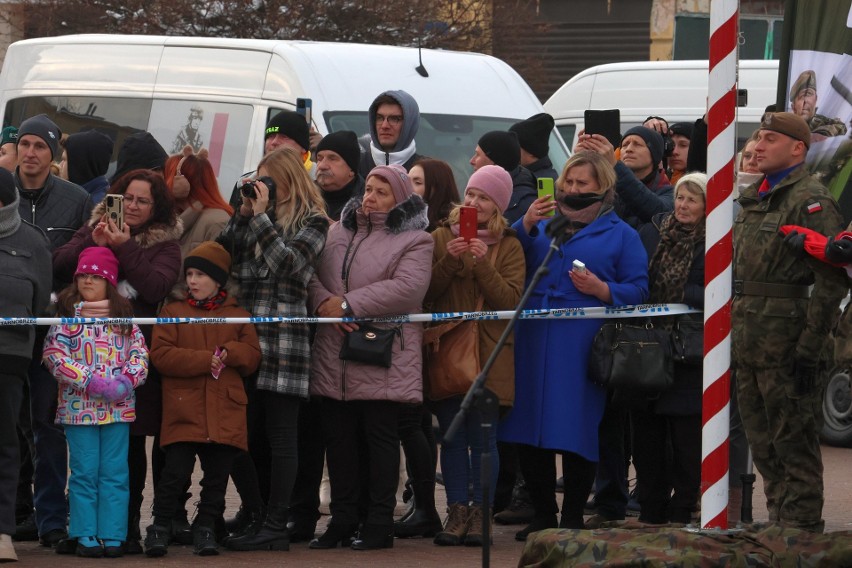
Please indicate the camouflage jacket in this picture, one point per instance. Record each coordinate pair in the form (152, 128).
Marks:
(768, 331)
(820, 124)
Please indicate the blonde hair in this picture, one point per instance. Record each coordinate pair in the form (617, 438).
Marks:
(496, 224)
(297, 198)
(603, 170)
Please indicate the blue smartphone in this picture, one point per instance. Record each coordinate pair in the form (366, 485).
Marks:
(305, 108)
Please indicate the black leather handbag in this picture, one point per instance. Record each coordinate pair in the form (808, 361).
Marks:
(370, 345)
(688, 340)
(633, 355)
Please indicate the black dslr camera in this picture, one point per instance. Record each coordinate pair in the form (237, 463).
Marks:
(249, 189)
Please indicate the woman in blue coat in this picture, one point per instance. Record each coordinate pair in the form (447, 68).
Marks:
(557, 408)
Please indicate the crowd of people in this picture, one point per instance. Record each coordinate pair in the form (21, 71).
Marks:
(327, 228)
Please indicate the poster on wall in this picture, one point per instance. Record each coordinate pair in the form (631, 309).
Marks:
(815, 82)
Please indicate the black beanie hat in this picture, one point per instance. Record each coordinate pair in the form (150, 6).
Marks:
(534, 134)
(140, 150)
(653, 140)
(682, 128)
(345, 143)
(88, 154)
(292, 125)
(212, 259)
(502, 148)
(45, 129)
(8, 191)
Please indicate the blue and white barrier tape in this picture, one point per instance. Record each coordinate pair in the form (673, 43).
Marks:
(597, 312)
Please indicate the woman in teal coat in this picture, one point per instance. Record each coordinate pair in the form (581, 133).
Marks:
(557, 408)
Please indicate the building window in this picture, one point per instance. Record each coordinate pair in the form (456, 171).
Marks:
(761, 37)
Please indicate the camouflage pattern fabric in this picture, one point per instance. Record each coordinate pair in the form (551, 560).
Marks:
(820, 124)
(769, 332)
(637, 545)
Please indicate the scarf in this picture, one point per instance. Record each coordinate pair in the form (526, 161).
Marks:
(670, 264)
(483, 235)
(581, 218)
(99, 309)
(382, 158)
(209, 304)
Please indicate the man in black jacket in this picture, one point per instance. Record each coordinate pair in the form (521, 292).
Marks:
(58, 208)
(534, 138)
(502, 149)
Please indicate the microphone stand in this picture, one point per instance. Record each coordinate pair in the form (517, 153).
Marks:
(486, 401)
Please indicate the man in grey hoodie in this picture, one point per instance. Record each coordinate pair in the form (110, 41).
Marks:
(394, 121)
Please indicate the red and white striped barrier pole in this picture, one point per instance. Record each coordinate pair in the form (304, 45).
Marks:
(721, 149)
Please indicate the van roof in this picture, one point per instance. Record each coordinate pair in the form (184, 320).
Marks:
(359, 72)
(673, 87)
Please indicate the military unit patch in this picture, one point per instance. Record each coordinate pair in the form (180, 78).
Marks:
(814, 207)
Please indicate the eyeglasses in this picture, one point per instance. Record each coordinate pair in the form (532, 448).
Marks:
(94, 277)
(394, 119)
(140, 201)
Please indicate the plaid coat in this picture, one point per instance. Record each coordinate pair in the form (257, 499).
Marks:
(274, 282)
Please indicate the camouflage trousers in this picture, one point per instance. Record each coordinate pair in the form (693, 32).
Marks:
(783, 432)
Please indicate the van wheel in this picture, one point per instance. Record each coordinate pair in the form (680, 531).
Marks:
(837, 409)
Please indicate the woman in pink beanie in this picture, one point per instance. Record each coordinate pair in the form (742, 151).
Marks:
(490, 266)
(98, 366)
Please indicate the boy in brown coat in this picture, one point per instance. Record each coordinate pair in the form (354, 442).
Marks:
(204, 401)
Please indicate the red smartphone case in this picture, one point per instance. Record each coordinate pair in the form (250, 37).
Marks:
(467, 223)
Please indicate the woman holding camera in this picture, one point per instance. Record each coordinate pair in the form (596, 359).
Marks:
(277, 235)
(557, 408)
(149, 263)
(377, 263)
(667, 439)
(491, 267)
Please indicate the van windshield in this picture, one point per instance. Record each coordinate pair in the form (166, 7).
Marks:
(447, 137)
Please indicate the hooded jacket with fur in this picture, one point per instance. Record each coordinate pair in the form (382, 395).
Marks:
(388, 268)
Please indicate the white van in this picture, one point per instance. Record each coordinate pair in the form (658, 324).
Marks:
(675, 90)
(227, 89)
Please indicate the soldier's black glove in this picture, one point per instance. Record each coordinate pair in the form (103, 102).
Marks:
(795, 243)
(804, 375)
(839, 251)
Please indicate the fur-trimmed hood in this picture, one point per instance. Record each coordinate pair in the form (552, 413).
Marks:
(151, 235)
(410, 215)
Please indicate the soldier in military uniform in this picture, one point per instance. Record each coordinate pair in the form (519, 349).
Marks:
(779, 328)
(190, 135)
(803, 96)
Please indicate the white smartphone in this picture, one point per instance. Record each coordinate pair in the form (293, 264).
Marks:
(579, 266)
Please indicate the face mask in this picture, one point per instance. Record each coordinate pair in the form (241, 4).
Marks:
(582, 200)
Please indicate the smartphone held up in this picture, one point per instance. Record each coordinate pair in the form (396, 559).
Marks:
(546, 189)
(467, 223)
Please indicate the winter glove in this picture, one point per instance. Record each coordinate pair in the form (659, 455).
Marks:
(795, 243)
(804, 376)
(110, 389)
(838, 251)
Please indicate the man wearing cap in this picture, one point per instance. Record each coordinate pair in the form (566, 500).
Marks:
(58, 208)
(498, 148)
(779, 327)
(394, 121)
(289, 129)
(642, 189)
(534, 138)
(8, 148)
(337, 174)
(803, 98)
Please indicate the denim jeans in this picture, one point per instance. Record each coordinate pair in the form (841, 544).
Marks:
(461, 456)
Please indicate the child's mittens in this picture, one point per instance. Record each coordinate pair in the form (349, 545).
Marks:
(110, 389)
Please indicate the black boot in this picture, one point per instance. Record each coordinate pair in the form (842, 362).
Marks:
(424, 519)
(239, 522)
(373, 537)
(251, 521)
(133, 544)
(204, 541)
(334, 534)
(157, 540)
(181, 531)
(273, 535)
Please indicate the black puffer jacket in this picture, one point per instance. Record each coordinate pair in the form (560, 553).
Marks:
(524, 192)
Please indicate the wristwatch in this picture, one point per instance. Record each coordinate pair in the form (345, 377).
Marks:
(344, 305)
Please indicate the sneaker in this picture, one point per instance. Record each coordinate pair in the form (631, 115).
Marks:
(52, 537)
(89, 547)
(156, 541)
